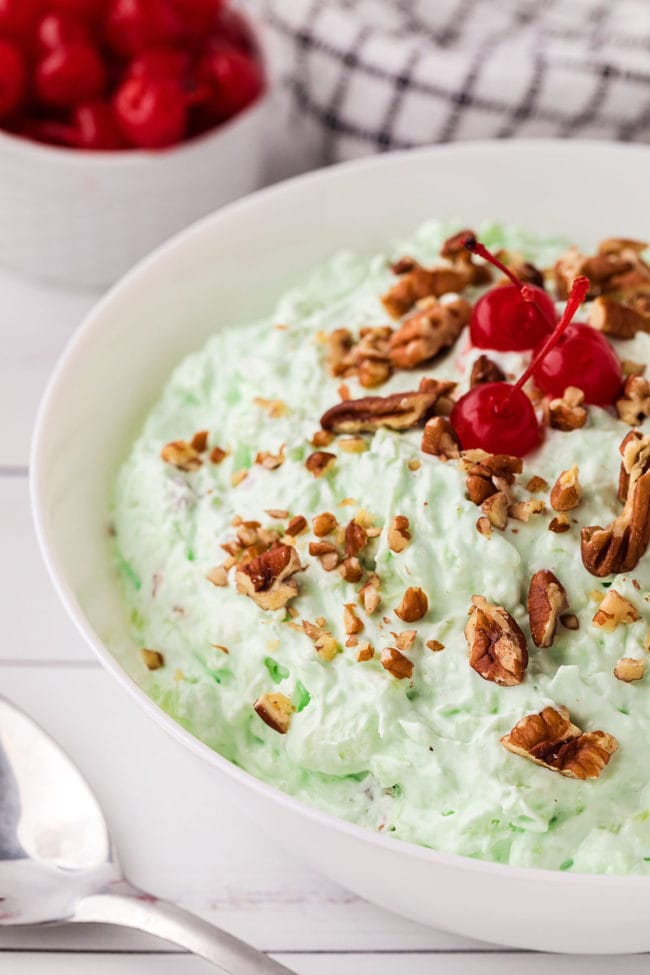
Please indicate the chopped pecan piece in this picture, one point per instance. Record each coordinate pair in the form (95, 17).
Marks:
(297, 525)
(524, 510)
(396, 663)
(350, 569)
(495, 509)
(485, 370)
(570, 621)
(322, 438)
(237, 477)
(634, 405)
(368, 358)
(399, 411)
(152, 659)
(339, 344)
(417, 282)
(614, 609)
(435, 645)
(413, 606)
(369, 594)
(429, 330)
(200, 441)
(275, 710)
(546, 600)
(439, 438)
(267, 577)
(566, 412)
(497, 646)
(356, 538)
(275, 408)
(268, 460)
(404, 640)
(353, 445)
(559, 524)
(629, 669)
(621, 319)
(536, 484)
(399, 535)
(351, 622)
(324, 643)
(617, 267)
(552, 740)
(365, 652)
(277, 512)
(484, 527)
(324, 524)
(218, 575)
(217, 455)
(619, 547)
(566, 493)
(487, 473)
(320, 462)
(182, 455)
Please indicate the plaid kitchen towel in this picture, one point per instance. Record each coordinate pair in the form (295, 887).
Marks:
(364, 76)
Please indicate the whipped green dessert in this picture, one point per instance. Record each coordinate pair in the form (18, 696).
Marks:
(338, 669)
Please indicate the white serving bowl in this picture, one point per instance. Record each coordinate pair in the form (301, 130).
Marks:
(225, 270)
(84, 218)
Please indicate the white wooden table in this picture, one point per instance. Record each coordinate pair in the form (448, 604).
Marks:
(190, 847)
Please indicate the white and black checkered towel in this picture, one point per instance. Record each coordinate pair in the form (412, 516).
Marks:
(369, 75)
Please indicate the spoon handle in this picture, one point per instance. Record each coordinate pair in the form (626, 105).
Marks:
(128, 907)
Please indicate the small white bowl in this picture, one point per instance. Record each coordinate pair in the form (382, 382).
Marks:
(83, 218)
(231, 268)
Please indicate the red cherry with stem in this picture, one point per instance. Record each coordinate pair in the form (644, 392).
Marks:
(509, 318)
(230, 81)
(69, 75)
(57, 30)
(96, 128)
(17, 17)
(13, 78)
(152, 113)
(133, 25)
(500, 418)
(584, 358)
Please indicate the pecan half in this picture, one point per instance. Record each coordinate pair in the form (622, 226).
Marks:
(552, 740)
(275, 710)
(629, 669)
(399, 536)
(417, 282)
(413, 606)
(619, 547)
(634, 405)
(429, 330)
(614, 609)
(182, 455)
(621, 319)
(320, 461)
(566, 493)
(267, 577)
(547, 599)
(497, 645)
(152, 659)
(484, 370)
(396, 663)
(399, 411)
(439, 438)
(566, 412)
(617, 267)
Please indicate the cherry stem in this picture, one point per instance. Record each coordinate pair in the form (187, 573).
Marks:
(475, 247)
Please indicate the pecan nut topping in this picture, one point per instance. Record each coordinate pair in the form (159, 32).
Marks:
(320, 461)
(497, 645)
(182, 455)
(324, 643)
(429, 330)
(489, 473)
(634, 405)
(552, 740)
(614, 609)
(566, 493)
(547, 600)
(267, 577)
(621, 319)
(495, 508)
(617, 268)
(275, 710)
(629, 669)
(398, 535)
(439, 438)
(413, 606)
(620, 546)
(368, 358)
(152, 659)
(417, 282)
(566, 412)
(485, 370)
(394, 661)
(356, 538)
(399, 411)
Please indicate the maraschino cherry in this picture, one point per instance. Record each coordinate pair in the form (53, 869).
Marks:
(583, 357)
(500, 418)
(511, 317)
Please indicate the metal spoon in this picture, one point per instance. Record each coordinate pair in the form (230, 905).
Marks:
(57, 863)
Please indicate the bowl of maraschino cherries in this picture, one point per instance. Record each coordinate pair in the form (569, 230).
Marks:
(518, 316)
(121, 121)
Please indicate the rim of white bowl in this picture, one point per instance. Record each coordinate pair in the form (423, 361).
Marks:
(31, 149)
(75, 346)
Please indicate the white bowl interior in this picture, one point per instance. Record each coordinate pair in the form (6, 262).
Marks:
(232, 267)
